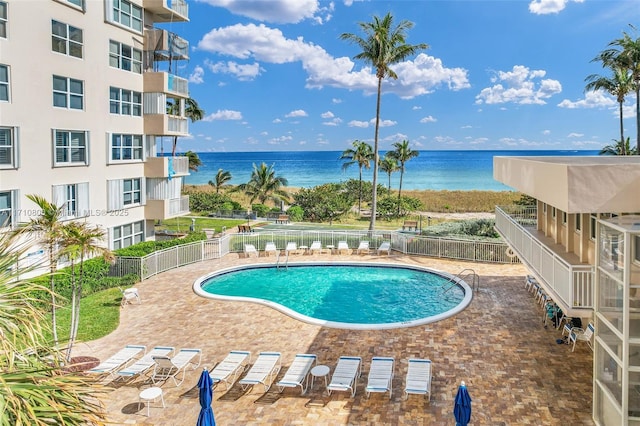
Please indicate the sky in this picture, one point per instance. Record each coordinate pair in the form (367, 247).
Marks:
(274, 75)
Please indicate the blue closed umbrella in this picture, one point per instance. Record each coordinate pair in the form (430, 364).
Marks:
(205, 385)
(462, 406)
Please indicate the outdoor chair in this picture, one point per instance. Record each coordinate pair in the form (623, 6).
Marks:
(578, 333)
(269, 248)
(119, 359)
(343, 246)
(316, 246)
(363, 247)
(228, 370)
(250, 249)
(170, 368)
(291, 247)
(146, 362)
(129, 296)
(298, 373)
(345, 375)
(380, 377)
(264, 371)
(418, 380)
(385, 246)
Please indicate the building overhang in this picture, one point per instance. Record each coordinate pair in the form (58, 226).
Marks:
(589, 184)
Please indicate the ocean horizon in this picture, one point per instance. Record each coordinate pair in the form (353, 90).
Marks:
(430, 170)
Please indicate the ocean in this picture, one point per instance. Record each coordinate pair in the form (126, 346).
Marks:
(437, 170)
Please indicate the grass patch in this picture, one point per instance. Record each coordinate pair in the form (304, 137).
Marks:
(463, 201)
(182, 224)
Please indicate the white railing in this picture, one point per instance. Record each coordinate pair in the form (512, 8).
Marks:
(179, 205)
(178, 124)
(154, 263)
(179, 6)
(178, 85)
(572, 283)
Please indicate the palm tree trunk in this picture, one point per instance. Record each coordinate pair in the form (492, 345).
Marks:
(75, 313)
(638, 117)
(622, 131)
(54, 322)
(360, 193)
(73, 309)
(175, 145)
(389, 185)
(374, 197)
(400, 188)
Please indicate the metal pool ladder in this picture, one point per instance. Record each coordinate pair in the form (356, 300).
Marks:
(286, 261)
(463, 275)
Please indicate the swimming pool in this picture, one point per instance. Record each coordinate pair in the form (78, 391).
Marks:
(343, 295)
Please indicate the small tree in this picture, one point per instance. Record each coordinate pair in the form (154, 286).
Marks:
(322, 203)
(389, 165)
(222, 177)
(194, 160)
(264, 185)
(362, 155)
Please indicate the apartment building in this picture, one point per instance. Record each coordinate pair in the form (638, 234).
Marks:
(582, 243)
(87, 88)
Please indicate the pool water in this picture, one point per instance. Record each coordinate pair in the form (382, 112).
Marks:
(347, 294)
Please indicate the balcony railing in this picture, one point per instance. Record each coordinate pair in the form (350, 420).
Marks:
(166, 167)
(167, 10)
(165, 45)
(166, 209)
(573, 284)
(164, 82)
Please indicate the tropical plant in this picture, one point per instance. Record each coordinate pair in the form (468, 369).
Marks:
(391, 207)
(194, 160)
(264, 185)
(402, 154)
(191, 110)
(222, 177)
(81, 241)
(619, 148)
(389, 165)
(619, 86)
(32, 390)
(382, 46)
(47, 228)
(362, 155)
(321, 203)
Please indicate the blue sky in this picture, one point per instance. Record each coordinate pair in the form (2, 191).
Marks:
(273, 75)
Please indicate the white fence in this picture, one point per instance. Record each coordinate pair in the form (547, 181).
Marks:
(215, 248)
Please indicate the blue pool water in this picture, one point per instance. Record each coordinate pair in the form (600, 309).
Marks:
(345, 295)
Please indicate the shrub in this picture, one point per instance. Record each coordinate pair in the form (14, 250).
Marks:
(295, 213)
(475, 229)
(260, 209)
(387, 207)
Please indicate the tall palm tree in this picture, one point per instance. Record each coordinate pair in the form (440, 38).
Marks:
(389, 165)
(264, 185)
(32, 390)
(222, 177)
(619, 148)
(194, 161)
(191, 110)
(619, 86)
(402, 154)
(81, 241)
(382, 46)
(362, 155)
(47, 228)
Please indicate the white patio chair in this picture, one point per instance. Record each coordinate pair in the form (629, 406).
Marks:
(291, 247)
(250, 249)
(385, 246)
(119, 359)
(345, 375)
(228, 370)
(264, 371)
(419, 374)
(169, 368)
(269, 248)
(146, 362)
(577, 334)
(298, 373)
(129, 296)
(316, 246)
(363, 247)
(381, 375)
(343, 246)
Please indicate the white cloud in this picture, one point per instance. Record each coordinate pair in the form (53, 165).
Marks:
(575, 135)
(519, 86)
(544, 7)
(416, 107)
(279, 140)
(428, 119)
(336, 101)
(278, 11)
(297, 113)
(333, 122)
(196, 76)
(420, 76)
(223, 115)
(356, 123)
(546, 132)
(383, 123)
(276, 121)
(243, 72)
(327, 114)
(597, 99)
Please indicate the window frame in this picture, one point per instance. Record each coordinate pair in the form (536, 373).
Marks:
(579, 222)
(592, 227)
(69, 148)
(121, 148)
(68, 94)
(116, 12)
(118, 58)
(6, 83)
(132, 236)
(4, 19)
(66, 40)
(75, 197)
(12, 147)
(119, 103)
(131, 192)
(14, 198)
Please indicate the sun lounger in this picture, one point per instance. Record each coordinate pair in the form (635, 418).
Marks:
(270, 248)
(419, 375)
(344, 377)
(291, 247)
(363, 247)
(169, 368)
(228, 370)
(315, 246)
(146, 362)
(263, 371)
(381, 375)
(119, 359)
(385, 246)
(343, 246)
(250, 249)
(298, 373)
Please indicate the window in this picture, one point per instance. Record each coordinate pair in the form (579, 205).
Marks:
(131, 191)
(74, 198)
(553, 212)
(125, 102)
(127, 235)
(126, 147)
(564, 218)
(70, 148)
(636, 247)
(127, 14)
(68, 92)
(578, 222)
(76, 3)
(125, 57)
(592, 233)
(8, 209)
(4, 83)
(8, 148)
(123, 193)
(3, 19)
(66, 39)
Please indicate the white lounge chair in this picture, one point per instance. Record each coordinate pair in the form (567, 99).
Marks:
(129, 296)
(381, 375)
(363, 247)
(419, 374)
(169, 368)
(146, 362)
(343, 246)
(263, 371)
(291, 247)
(119, 359)
(250, 249)
(315, 246)
(344, 377)
(385, 246)
(228, 370)
(578, 333)
(270, 248)
(298, 373)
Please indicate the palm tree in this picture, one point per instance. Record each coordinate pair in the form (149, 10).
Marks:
(402, 154)
(191, 110)
(264, 185)
(194, 161)
(362, 155)
(619, 86)
(619, 148)
(32, 390)
(81, 241)
(48, 229)
(388, 164)
(222, 177)
(382, 46)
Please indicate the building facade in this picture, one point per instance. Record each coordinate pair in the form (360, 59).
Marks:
(581, 240)
(87, 89)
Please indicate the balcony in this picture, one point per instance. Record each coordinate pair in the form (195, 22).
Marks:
(165, 167)
(166, 209)
(165, 45)
(163, 82)
(167, 125)
(167, 10)
(569, 282)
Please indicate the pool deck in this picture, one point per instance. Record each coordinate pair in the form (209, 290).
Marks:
(515, 371)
